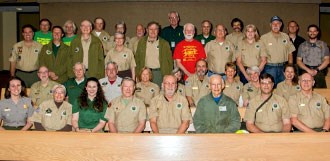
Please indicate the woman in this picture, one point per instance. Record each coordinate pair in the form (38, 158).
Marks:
(145, 89)
(89, 110)
(251, 89)
(16, 110)
(233, 87)
(123, 57)
(290, 85)
(250, 53)
(178, 74)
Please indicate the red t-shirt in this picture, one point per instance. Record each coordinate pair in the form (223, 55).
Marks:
(189, 53)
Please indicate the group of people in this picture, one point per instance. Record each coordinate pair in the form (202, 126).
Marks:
(82, 82)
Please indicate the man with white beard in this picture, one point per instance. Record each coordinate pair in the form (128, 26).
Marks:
(188, 51)
(169, 111)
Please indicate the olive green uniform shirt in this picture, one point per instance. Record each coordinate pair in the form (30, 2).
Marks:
(105, 39)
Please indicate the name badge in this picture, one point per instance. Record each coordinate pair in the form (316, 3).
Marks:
(172, 44)
(194, 87)
(270, 44)
(222, 108)
(7, 109)
(203, 41)
(48, 114)
(302, 105)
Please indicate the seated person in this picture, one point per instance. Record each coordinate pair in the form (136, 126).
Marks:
(233, 87)
(252, 88)
(290, 85)
(177, 72)
(145, 89)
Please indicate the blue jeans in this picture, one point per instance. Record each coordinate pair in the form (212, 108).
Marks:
(276, 72)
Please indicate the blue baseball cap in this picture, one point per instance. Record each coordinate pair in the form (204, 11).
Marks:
(275, 18)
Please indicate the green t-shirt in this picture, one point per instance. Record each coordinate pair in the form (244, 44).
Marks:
(89, 118)
(67, 40)
(43, 38)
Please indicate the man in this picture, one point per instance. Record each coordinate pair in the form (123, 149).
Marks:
(206, 35)
(237, 34)
(169, 111)
(155, 53)
(42, 90)
(121, 28)
(127, 113)
(43, 36)
(70, 30)
(188, 51)
(74, 86)
(173, 33)
(24, 57)
(219, 52)
(233, 87)
(267, 112)
(54, 56)
(216, 112)
(99, 26)
(133, 42)
(111, 83)
(88, 50)
(293, 29)
(309, 110)
(54, 114)
(279, 50)
(313, 57)
(197, 85)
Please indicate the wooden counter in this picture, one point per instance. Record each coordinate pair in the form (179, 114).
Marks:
(33, 145)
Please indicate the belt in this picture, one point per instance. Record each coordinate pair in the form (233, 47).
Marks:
(25, 71)
(275, 64)
(155, 69)
(312, 67)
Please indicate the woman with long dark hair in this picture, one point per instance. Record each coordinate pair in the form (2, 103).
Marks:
(89, 109)
(290, 85)
(16, 110)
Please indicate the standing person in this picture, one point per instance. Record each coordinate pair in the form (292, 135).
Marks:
(173, 33)
(313, 57)
(309, 111)
(252, 88)
(123, 56)
(188, 51)
(279, 50)
(233, 87)
(250, 52)
(44, 36)
(267, 112)
(127, 113)
(54, 56)
(133, 42)
(290, 85)
(145, 89)
(155, 53)
(237, 35)
(16, 109)
(24, 57)
(121, 28)
(216, 112)
(99, 26)
(70, 30)
(206, 35)
(293, 29)
(89, 110)
(87, 49)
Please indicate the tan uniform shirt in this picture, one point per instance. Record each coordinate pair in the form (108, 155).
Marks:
(51, 117)
(269, 118)
(249, 91)
(310, 111)
(126, 113)
(26, 58)
(286, 90)
(218, 55)
(152, 55)
(169, 115)
(85, 45)
(181, 90)
(233, 90)
(235, 38)
(250, 53)
(124, 59)
(105, 39)
(277, 48)
(197, 89)
(146, 92)
(40, 93)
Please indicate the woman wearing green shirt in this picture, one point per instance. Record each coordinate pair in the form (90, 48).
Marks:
(89, 109)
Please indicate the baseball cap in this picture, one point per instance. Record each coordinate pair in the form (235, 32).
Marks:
(275, 18)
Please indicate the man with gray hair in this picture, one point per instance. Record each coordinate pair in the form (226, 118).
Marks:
(174, 32)
(188, 51)
(111, 83)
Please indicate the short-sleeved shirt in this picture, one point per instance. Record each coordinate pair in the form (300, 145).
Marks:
(286, 90)
(126, 115)
(311, 111)
(13, 114)
(203, 39)
(124, 59)
(189, 53)
(67, 40)
(26, 58)
(146, 92)
(181, 89)
(250, 53)
(73, 89)
(218, 54)
(111, 91)
(233, 90)
(269, 118)
(197, 89)
(40, 93)
(169, 115)
(235, 38)
(51, 117)
(312, 54)
(277, 47)
(89, 117)
(42, 38)
(249, 91)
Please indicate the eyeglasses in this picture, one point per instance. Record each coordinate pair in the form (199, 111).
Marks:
(306, 81)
